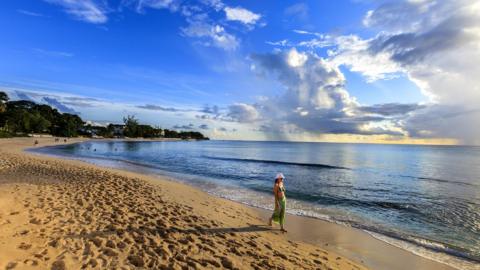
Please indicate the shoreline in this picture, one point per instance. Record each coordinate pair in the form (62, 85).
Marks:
(416, 249)
(351, 243)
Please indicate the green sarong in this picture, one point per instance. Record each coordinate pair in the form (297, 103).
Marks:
(279, 212)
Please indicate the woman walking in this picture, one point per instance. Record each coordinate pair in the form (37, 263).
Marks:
(278, 215)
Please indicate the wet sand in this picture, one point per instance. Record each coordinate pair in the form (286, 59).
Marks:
(65, 214)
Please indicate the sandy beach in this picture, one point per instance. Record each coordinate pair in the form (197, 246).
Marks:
(64, 214)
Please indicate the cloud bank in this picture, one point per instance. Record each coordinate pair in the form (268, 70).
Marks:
(316, 100)
(436, 44)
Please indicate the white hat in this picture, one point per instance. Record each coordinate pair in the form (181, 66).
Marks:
(279, 175)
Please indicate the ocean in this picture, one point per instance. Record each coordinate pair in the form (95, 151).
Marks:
(425, 199)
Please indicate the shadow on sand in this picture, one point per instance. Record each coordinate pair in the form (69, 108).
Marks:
(250, 228)
(163, 231)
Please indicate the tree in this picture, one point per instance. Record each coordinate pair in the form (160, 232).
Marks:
(3, 101)
(68, 125)
(38, 124)
(171, 134)
(106, 132)
(50, 114)
(3, 97)
(24, 116)
(131, 126)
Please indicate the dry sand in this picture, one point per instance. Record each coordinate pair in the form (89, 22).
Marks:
(64, 214)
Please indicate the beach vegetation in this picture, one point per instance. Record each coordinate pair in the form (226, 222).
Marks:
(23, 117)
(131, 126)
(3, 101)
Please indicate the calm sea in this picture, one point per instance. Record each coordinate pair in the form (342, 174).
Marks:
(422, 198)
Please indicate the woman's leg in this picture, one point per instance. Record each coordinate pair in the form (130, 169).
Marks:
(275, 215)
(283, 205)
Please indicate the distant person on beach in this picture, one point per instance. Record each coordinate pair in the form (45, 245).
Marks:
(278, 215)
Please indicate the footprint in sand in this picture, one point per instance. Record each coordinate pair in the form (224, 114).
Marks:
(11, 265)
(24, 246)
(30, 262)
(58, 265)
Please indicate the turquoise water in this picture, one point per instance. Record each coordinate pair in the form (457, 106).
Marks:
(422, 198)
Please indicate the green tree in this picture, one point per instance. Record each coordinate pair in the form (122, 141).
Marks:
(38, 124)
(3, 101)
(171, 134)
(50, 114)
(131, 126)
(68, 125)
(106, 132)
(24, 116)
(16, 118)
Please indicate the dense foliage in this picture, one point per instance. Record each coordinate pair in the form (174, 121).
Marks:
(25, 117)
(22, 117)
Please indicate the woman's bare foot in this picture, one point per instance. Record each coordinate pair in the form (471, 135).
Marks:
(270, 223)
(283, 230)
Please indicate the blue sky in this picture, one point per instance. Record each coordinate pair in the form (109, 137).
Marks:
(184, 57)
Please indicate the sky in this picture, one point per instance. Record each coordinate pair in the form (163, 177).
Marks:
(334, 71)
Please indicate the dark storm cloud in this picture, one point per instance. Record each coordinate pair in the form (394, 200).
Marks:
(390, 109)
(411, 48)
(418, 30)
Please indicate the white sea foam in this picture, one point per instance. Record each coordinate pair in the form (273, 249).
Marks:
(437, 256)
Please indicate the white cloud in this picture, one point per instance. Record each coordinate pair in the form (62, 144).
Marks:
(353, 52)
(30, 13)
(172, 5)
(315, 100)
(435, 44)
(216, 4)
(207, 30)
(86, 10)
(211, 34)
(280, 43)
(242, 15)
(296, 59)
(303, 32)
(201, 26)
(242, 112)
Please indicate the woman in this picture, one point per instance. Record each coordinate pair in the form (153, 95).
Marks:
(280, 202)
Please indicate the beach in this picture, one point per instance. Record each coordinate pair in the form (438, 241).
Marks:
(67, 214)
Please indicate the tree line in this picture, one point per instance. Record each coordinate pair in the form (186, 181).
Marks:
(23, 117)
